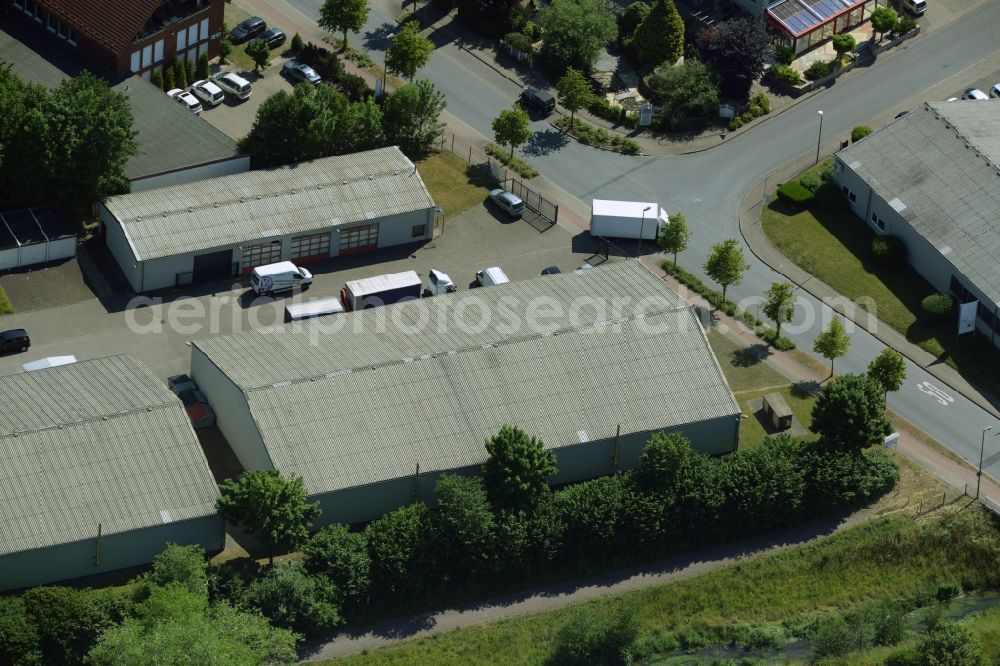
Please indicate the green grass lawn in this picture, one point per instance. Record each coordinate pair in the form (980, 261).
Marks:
(453, 184)
(881, 559)
(828, 240)
(5, 305)
(233, 16)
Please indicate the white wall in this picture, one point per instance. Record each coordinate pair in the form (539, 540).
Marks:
(62, 248)
(120, 249)
(398, 229)
(238, 164)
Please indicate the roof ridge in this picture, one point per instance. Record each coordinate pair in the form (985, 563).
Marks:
(81, 421)
(472, 348)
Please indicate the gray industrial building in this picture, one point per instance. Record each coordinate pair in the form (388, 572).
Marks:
(931, 178)
(100, 471)
(370, 407)
(224, 227)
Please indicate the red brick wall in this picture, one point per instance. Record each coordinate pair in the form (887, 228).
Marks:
(123, 60)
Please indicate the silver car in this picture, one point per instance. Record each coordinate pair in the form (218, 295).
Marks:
(509, 202)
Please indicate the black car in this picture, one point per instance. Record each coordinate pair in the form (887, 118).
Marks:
(551, 270)
(15, 339)
(538, 100)
(274, 37)
(247, 30)
(299, 71)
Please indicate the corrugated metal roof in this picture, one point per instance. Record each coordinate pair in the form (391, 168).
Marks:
(368, 401)
(254, 205)
(938, 166)
(96, 442)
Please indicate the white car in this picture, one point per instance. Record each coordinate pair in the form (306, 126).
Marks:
(234, 84)
(995, 90)
(208, 92)
(439, 283)
(186, 99)
(974, 93)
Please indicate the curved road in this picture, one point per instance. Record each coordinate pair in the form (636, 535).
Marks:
(709, 186)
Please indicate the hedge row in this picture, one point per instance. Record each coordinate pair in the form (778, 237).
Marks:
(328, 65)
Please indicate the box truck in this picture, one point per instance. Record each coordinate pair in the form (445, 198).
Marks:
(380, 290)
(317, 307)
(627, 219)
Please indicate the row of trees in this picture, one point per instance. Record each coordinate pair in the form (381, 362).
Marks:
(69, 145)
(318, 121)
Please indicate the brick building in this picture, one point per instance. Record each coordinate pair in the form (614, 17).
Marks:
(137, 36)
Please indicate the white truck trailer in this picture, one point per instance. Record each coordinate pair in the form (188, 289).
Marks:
(627, 219)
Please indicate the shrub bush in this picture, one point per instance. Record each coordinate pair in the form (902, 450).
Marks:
(860, 132)
(794, 193)
(295, 600)
(594, 636)
(812, 181)
(625, 145)
(764, 637)
(296, 45)
(354, 87)
(761, 101)
(905, 25)
(519, 41)
(787, 74)
(888, 251)
(785, 55)
(818, 70)
(937, 306)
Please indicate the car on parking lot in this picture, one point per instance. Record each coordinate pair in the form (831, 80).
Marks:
(247, 30)
(274, 37)
(439, 283)
(509, 202)
(234, 84)
(915, 7)
(208, 92)
(551, 270)
(539, 101)
(195, 403)
(16, 339)
(974, 93)
(185, 99)
(995, 90)
(299, 71)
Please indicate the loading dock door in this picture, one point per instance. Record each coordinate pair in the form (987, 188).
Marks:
(213, 266)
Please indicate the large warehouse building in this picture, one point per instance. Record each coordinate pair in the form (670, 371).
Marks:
(223, 227)
(932, 179)
(370, 407)
(100, 471)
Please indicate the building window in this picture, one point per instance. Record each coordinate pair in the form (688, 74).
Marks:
(158, 51)
(192, 35)
(419, 231)
(69, 35)
(135, 61)
(50, 22)
(315, 246)
(878, 221)
(260, 254)
(204, 29)
(359, 239)
(852, 196)
(147, 56)
(181, 40)
(961, 293)
(19, 4)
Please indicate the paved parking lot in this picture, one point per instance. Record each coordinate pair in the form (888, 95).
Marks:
(159, 330)
(235, 117)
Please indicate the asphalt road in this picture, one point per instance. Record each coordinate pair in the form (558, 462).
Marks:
(709, 186)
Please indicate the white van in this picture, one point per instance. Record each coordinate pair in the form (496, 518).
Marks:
(281, 276)
(494, 275)
(234, 84)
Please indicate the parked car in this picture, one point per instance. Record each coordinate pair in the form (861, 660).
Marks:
(995, 90)
(247, 30)
(915, 7)
(299, 71)
(538, 100)
(274, 37)
(185, 99)
(551, 270)
(280, 276)
(510, 203)
(974, 93)
(491, 276)
(208, 92)
(439, 283)
(234, 84)
(16, 339)
(584, 266)
(195, 403)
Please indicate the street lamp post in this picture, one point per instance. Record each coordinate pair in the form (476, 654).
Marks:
(642, 227)
(385, 63)
(819, 138)
(982, 447)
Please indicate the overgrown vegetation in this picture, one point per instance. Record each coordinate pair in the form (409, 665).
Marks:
(512, 161)
(597, 136)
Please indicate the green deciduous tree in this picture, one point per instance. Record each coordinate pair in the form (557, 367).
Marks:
(411, 117)
(465, 526)
(179, 627)
(408, 52)
(660, 36)
(634, 15)
(833, 342)
(949, 644)
(343, 16)
(342, 556)
(689, 90)
(740, 49)
(597, 633)
(888, 369)
(726, 264)
(849, 413)
(779, 304)
(517, 471)
(844, 43)
(674, 238)
(397, 546)
(270, 506)
(68, 621)
(510, 128)
(883, 20)
(292, 599)
(575, 32)
(19, 640)
(574, 91)
(181, 565)
(260, 53)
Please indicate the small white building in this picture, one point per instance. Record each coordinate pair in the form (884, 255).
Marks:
(34, 236)
(224, 227)
(932, 179)
(100, 471)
